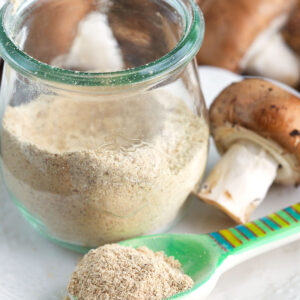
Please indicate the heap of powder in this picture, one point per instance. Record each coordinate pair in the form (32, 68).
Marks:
(124, 273)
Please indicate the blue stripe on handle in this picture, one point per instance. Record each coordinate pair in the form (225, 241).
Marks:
(222, 241)
(293, 213)
(270, 223)
(249, 234)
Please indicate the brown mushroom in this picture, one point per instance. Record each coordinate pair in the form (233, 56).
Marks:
(291, 31)
(256, 125)
(94, 48)
(245, 36)
(52, 26)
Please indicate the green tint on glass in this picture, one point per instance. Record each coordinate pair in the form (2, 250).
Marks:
(182, 54)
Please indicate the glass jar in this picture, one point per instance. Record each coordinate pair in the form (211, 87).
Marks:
(104, 131)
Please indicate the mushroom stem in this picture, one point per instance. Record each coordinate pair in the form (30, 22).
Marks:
(94, 47)
(275, 60)
(240, 180)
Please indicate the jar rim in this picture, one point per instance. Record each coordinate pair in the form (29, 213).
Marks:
(185, 50)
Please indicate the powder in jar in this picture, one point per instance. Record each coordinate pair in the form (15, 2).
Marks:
(95, 170)
(124, 273)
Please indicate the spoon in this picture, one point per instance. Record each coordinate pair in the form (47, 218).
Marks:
(205, 257)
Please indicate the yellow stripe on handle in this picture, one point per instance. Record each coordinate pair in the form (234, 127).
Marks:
(268, 229)
(229, 236)
(297, 207)
(278, 220)
(255, 229)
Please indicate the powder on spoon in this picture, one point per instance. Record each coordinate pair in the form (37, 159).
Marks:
(124, 273)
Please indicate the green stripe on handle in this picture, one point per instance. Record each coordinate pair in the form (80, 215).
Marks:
(278, 225)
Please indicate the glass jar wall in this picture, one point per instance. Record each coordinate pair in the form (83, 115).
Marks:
(104, 131)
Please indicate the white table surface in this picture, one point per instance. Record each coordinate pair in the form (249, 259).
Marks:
(32, 268)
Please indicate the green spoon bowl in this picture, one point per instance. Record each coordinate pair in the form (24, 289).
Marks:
(198, 254)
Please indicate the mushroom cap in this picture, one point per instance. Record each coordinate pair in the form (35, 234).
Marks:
(233, 25)
(291, 31)
(53, 26)
(260, 111)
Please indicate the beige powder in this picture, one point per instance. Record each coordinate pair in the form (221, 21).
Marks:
(96, 171)
(123, 273)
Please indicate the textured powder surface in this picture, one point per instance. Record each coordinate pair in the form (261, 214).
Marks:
(98, 170)
(123, 273)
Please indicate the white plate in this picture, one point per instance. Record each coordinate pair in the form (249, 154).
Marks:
(32, 268)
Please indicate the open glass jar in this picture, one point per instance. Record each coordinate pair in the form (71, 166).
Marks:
(104, 131)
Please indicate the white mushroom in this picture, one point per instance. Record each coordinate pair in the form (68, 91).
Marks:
(52, 27)
(94, 47)
(245, 36)
(257, 125)
(270, 56)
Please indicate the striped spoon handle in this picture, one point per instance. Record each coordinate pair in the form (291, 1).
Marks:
(261, 235)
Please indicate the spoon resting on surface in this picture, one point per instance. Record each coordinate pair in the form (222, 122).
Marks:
(205, 257)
